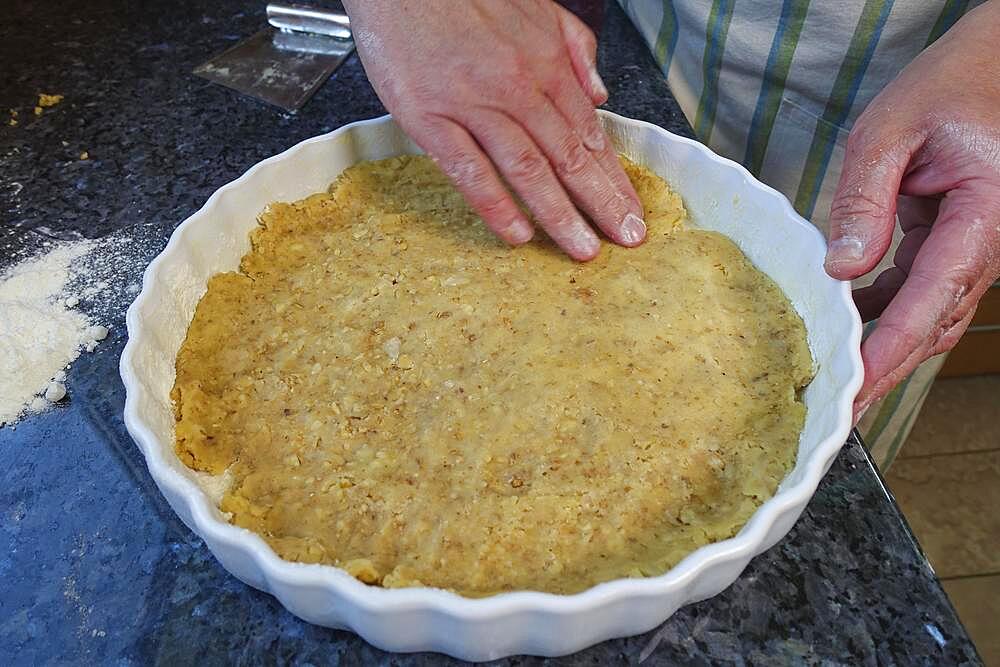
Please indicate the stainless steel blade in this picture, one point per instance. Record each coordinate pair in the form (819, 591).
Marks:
(270, 68)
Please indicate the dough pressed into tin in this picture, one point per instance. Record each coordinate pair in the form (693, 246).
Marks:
(395, 392)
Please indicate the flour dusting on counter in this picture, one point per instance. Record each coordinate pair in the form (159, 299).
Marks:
(55, 305)
(39, 335)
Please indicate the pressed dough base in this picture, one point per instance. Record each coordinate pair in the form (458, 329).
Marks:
(395, 392)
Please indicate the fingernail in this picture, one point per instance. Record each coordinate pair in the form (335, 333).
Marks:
(597, 84)
(633, 229)
(520, 231)
(844, 250)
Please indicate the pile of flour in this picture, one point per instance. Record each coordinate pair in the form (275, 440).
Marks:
(41, 331)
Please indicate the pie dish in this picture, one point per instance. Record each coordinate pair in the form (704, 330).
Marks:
(719, 196)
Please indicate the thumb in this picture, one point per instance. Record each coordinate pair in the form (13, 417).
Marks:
(863, 212)
(582, 47)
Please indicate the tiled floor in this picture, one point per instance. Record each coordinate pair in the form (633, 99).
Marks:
(947, 481)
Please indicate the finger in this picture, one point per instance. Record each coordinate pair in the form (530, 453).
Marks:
(872, 300)
(610, 162)
(581, 117)
(916, 211)
(871, 393)
(950, 272)
(527, 170)
(862, 216)
(458, 156)
(580, 173)
(582, 47)
(909, 246)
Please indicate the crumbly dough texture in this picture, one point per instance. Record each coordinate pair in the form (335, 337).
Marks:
(397, 393)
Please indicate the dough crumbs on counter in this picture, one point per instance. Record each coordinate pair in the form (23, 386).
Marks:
(45, 100)
(396, 392)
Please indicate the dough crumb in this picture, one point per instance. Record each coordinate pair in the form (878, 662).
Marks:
(97, 332)
(55, 392)
(45, 100)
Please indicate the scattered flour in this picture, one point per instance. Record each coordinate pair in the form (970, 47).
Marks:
(39, 335)
(59, 303)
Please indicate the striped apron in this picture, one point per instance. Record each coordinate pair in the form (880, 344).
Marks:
(776, 85)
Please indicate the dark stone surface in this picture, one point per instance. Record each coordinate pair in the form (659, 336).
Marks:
(95, 568)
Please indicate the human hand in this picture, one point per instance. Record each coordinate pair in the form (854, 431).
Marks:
(933, 133)
(493, 89)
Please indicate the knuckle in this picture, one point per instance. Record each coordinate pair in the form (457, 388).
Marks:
(517, 86)
(610, 198)
(518, 71)
(609, 205)
(948, 289)
(852, 210)
(527, 165)
(553, 81)
(956, 283)
(493, 207)
(573, 158)
(859, 137)
(951, 331)
(878, 142)
(464, 170)
(564, 224)
(590, 126)
(866, 134)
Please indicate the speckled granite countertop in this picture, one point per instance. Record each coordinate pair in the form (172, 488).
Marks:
(95, 568)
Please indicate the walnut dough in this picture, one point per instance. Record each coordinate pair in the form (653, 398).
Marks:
(397, 393)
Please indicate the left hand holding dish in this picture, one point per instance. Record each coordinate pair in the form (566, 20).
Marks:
(934, 134)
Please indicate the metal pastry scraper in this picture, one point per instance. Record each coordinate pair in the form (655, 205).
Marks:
(285, 63)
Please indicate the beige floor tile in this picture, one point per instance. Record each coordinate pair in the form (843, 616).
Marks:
(951, 503)
(977, 600)
(960, 415)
